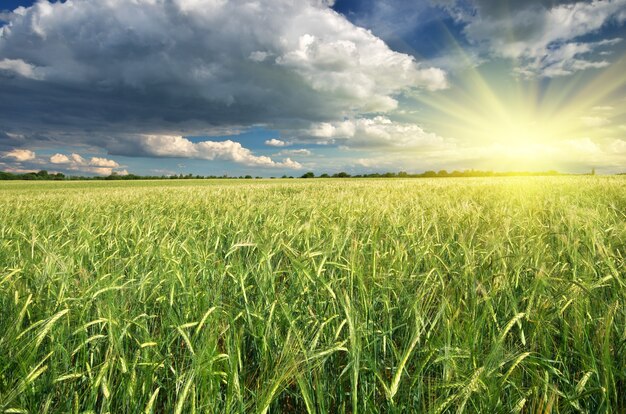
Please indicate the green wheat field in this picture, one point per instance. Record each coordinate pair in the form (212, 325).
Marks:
(487, 295)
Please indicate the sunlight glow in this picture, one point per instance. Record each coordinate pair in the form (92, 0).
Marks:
(530, 123)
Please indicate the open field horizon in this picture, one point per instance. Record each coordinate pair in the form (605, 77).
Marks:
(372, 295)
(412, 287)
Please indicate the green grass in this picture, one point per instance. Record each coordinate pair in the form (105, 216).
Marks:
(431, 296)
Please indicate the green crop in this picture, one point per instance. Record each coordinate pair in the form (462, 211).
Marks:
(433, 296)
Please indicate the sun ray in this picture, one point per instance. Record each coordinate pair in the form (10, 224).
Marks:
(536, 121)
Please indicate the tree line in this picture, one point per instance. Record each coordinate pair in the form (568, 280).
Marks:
(434, 174)
(44, 175)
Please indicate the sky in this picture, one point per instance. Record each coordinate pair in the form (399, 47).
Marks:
(282, 87)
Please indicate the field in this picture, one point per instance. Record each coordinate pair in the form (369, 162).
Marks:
(427, 295)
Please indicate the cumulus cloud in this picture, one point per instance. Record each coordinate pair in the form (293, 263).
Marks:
(60, 159)
(20, 155)
(541, 37)
(379, 131)
(181, 147)
(276, 143)
(103, 162)
(179, 67)
(95, 165)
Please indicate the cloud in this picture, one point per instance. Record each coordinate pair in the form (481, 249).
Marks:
(543, 38)
(618, 146)
(584, 146)
(605, 108)
(96, 165)
(103, 162)
(20, 155)
(380, 132)
(595, 121)
(59, 159)
(276, 143)
(295, 152)
(5, 16)
(180, 67)
(19, 67)
(180, 147)
(26, 160)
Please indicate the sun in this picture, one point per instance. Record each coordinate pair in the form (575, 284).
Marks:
(500, 122)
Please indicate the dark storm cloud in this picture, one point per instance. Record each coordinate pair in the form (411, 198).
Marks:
(97, 73)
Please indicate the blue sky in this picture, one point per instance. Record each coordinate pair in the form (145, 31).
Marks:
(277, 87)
(14, 4)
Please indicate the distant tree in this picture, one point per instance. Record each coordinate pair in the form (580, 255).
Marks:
(442, 173)
(324, 176)
(593, 171)
(308, 175)
(341, 175)
(8, 176)
(248, 177)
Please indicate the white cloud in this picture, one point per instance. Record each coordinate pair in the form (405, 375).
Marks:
(542, 41)
(360, 67)
(295, 152)
(103, 162)
(605, 108)
(76, 158)
(59, 159)
(583, 146)
(20, 155)
(17, 170)
(177, 146)
(379, 131)
(20, 67)
(594, 121)
(96, 165)
(259, 56)
(276, 143)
